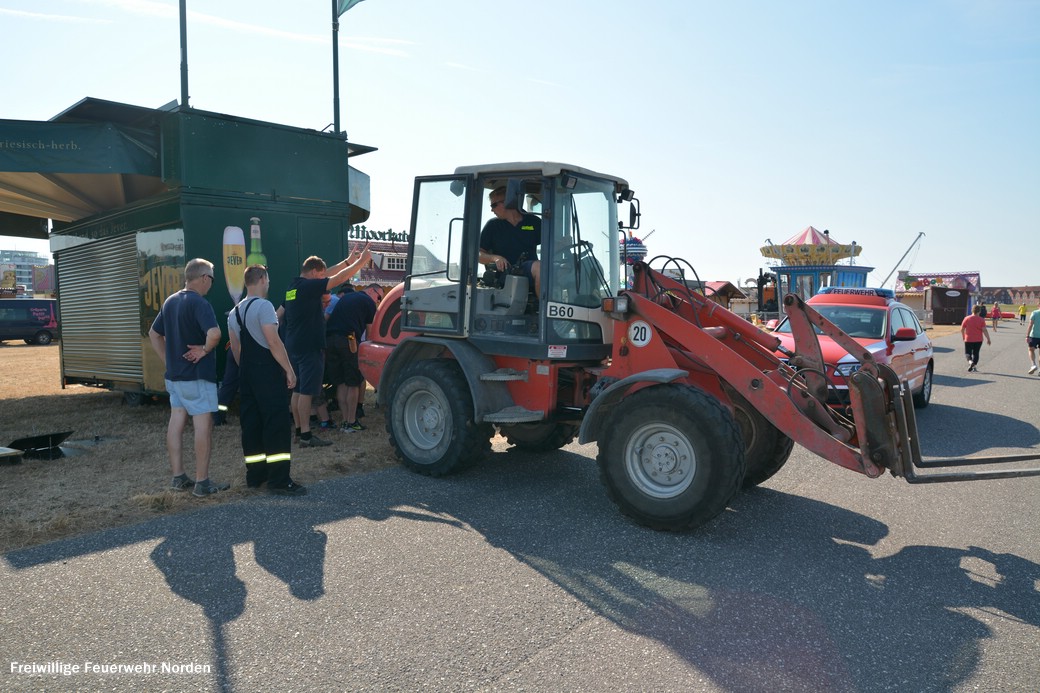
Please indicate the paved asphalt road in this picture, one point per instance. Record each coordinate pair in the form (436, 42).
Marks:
(521, 575)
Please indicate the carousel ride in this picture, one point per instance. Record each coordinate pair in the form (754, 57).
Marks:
(810, 260)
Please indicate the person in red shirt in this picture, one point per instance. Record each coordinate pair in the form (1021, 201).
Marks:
(973, 329)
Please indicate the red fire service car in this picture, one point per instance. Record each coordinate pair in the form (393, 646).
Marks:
(888, 329)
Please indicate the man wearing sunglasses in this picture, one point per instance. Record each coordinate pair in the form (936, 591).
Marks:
(184, 334)
(512, 234)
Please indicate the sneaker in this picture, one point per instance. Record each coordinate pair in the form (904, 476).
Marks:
(290, 489)
(182, 482)
(207, 488)
(1032, 369)
(351, 427)
(327, 425)
(313, 442)
(359, 413)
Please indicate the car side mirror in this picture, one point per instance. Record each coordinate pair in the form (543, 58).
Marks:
(904, 334)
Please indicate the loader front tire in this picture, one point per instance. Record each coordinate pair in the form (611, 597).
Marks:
(672, 457)
(766, 449)
(430, 420)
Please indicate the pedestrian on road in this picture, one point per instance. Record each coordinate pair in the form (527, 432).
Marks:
(184, 335)
(1022, 314)
(973, 329)
(995, 314)
(1033, 339)
(265, 378)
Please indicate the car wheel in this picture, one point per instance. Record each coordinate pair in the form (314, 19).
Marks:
(924, 395)
(43, 338)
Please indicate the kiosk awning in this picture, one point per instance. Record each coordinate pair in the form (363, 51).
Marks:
(96, 155)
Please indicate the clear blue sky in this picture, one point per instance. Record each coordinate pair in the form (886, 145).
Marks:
(734, 121)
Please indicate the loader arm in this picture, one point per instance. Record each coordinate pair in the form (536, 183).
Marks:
(882, 433)
(766, 383)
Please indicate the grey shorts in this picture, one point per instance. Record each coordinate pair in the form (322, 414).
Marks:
(196, 396)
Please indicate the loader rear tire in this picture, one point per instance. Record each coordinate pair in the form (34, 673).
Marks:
(539, 437)
(672, 457)
(766, 449)
(430, 421)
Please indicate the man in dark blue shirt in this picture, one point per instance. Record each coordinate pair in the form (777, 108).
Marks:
(347, 323)
(507, 237)
(184, 334)
(305, 332)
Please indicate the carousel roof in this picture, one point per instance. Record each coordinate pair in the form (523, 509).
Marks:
(810, 247)
(810, 236)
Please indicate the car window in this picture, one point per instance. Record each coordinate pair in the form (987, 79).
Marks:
(904, 318)
(898, 320)
(856, 321)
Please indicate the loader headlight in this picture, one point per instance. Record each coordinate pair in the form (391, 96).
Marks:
(615, 304)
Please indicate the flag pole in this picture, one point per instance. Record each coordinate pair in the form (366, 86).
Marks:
(184, 52)
(335, 66)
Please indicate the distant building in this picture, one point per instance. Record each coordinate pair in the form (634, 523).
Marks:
(1012, 296)
(19, 269)
(389, 255)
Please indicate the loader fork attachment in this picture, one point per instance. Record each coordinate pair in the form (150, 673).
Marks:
(907, 464)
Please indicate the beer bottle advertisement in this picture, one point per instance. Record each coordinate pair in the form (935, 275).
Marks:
(256, 248)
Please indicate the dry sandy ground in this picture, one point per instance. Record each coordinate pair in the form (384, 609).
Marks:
(117, 471)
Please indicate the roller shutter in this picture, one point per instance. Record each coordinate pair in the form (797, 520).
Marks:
(100, 308)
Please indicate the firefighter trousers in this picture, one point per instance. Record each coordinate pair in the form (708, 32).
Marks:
(266, 434)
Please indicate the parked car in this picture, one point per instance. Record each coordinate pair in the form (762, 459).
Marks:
(886, 328)
(1001, 315)
(33, 320)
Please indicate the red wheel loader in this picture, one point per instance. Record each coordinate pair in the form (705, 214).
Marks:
(687, 401)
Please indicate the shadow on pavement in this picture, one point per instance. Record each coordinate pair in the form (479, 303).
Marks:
(943, 426)
(779, 593)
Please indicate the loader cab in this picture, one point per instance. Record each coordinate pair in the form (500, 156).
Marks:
(448, 292)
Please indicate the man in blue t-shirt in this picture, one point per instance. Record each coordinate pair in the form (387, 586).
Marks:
(184, 334)
(507, 237)
(347, 323)
(305, 332)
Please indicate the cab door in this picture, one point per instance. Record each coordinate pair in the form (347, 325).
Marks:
(435, 287)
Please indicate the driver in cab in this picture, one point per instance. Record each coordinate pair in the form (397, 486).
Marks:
(510, 235)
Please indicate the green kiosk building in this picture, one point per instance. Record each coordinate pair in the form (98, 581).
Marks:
(134, 193)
